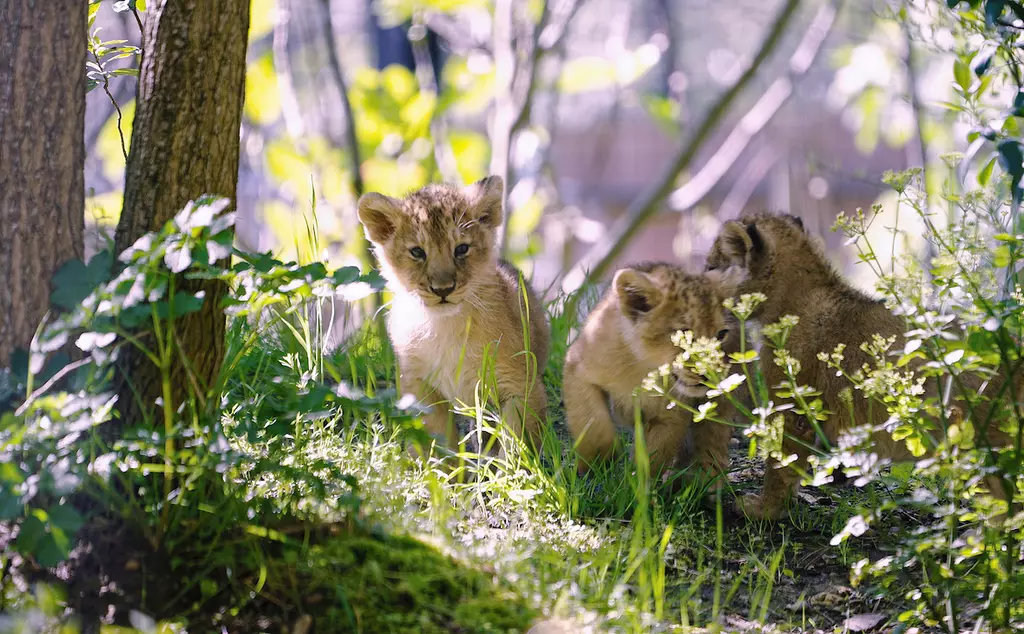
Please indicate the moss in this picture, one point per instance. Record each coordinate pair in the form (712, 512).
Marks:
(399, 584)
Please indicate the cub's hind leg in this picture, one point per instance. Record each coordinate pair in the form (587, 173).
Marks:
(707, 451)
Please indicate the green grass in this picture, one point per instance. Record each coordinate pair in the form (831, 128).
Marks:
(288, 505)
(610, 548)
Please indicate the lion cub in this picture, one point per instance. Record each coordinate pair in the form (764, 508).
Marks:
(790, 268)
(456, 304)
(627, 336)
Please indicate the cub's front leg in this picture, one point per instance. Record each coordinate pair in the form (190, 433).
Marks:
(523, 397)
(439, 421)
(707, 446)
(587, 416)
(780, 482)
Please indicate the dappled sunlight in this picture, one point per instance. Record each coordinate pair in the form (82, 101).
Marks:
(481, 317)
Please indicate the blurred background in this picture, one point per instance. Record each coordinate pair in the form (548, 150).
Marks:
(589, 109)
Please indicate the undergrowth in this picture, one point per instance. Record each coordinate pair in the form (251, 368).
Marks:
(291, 498)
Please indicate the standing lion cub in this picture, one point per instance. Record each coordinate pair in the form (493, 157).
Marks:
(456, 305)
(626, 337)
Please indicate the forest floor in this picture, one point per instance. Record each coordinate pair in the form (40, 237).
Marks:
(608, 552)
(395, 544)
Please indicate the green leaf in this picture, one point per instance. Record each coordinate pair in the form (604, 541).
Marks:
(345, 275)
(399, 83)
(665, 111)
(52, 548)
(584, 74)
(108, 143)
(962, 74)
(66, 518)
(184, 303)
(744, 357)
(1001, 257)
(417, 114)
(985, 174)
(472, 152)
(30, 532)
(262, 96)
(262, 14)
(74, 280)
(178, 257)
(10, 505)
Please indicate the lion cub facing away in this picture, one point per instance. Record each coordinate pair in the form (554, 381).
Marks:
(627, 336)
(790, 268)
(455, 302)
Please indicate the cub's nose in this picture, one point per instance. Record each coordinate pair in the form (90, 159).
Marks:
(443, 293)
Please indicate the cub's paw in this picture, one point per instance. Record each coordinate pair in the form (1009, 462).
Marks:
(758, 507)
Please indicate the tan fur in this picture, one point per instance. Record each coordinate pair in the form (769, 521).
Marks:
(790, 268)
(449, 309)
(627, 336)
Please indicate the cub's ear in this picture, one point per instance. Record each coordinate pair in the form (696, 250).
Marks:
(637, 293)
(797, 221)
(485, 197)
(378, 213)
(727, 281)
(741, 244)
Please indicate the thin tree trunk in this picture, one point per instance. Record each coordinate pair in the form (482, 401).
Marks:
(185, 143)
(42, 157)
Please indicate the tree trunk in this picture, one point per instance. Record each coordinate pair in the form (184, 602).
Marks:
(42, 157)
(185, 143)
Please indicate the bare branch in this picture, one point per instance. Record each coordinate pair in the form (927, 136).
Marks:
(596, 263)
(921, 150)
(351, 141)
(755, 171)
(514, 114)
(110, 96)
(443, 154)
(289, 102)
(334, 64)
(758, 116)
(455, 34)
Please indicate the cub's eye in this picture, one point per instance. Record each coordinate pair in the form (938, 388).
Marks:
(461, 250)
(418, 253)
(722, 334)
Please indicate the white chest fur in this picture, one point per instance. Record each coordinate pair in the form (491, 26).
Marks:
(435, 346)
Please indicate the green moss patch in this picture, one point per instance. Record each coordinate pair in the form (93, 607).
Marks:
(399, 584)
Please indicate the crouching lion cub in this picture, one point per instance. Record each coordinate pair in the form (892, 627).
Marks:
(627, 336)
(456, 304)
(790, 268)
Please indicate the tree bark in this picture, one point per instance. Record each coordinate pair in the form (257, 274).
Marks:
(185, 143)
(42, 157)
